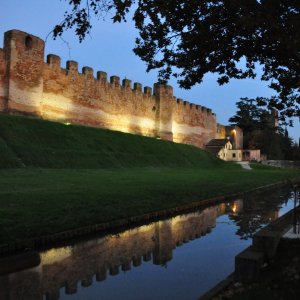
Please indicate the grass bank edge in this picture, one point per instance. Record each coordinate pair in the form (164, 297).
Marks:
(52, 201)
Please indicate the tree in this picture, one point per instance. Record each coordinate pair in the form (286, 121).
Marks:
(296, 151)
(188, 39)
(248, 117)
(261, 131)
(253, 120)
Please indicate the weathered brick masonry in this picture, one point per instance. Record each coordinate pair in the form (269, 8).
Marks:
(30, 86)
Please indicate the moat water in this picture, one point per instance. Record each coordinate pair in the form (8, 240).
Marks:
(177, 258)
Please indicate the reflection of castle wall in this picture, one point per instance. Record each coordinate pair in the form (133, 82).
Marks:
(95, 259)
(65, 267)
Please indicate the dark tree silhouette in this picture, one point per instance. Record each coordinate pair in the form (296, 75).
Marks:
(261, 131)
(187, 39)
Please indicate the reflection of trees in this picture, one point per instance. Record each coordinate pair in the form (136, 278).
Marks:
(247, 224)
(258, 211)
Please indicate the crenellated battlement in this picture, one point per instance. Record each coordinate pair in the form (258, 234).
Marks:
(54, 62)
(31, 86)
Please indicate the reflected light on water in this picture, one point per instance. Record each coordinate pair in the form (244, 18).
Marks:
(55, 255)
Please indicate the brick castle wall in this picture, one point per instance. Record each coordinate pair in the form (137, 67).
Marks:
(30, 86)
(3, 93)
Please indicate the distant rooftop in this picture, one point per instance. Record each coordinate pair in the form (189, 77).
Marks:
(217, 143)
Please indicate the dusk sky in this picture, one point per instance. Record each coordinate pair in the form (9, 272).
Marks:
(109, 49)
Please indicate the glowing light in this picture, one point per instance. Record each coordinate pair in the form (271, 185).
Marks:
(234, 207)
(67, 123)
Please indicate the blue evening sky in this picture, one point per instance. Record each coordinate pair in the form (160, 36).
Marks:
(109, 49)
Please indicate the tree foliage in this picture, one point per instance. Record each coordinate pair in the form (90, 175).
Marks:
(248, 117)
(188, 39)
(261, 130)
(296, 151)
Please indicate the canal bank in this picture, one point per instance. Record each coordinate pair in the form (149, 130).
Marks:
(277, 280)
(270, 267)
(86, 231)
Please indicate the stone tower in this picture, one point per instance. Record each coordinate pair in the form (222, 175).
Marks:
(24, 56)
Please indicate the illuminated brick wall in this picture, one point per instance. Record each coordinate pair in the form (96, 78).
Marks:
(30, 86)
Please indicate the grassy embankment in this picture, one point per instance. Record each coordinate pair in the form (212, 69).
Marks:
(55, 177)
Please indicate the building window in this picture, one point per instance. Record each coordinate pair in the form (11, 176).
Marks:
(233, 155)
(28, 42)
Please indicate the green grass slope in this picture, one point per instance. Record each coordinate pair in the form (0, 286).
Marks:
(55, 177)
(37, 143)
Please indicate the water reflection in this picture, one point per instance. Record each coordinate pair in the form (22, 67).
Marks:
(100, 258)
(255, 213)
